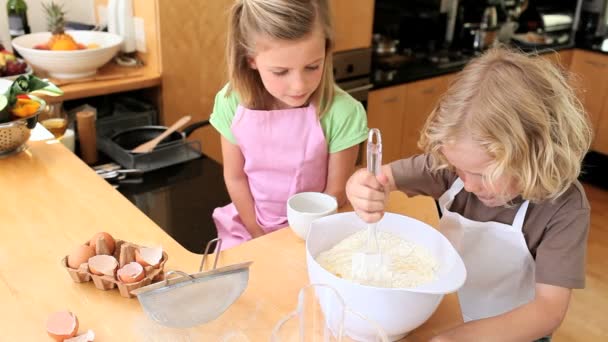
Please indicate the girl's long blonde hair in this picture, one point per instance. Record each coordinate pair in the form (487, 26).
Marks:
(523, 112)
(276, 19)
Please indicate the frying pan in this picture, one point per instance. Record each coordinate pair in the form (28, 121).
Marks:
(133, 137)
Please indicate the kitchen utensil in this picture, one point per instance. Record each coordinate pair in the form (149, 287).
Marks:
(304, 207)
(130, 138)
(14, 134)
(320, 316)
(172, 150)
(370, 263)
(150, 145)
(194, 299)
(397, 310)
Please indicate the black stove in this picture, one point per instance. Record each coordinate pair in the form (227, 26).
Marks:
(181, 199)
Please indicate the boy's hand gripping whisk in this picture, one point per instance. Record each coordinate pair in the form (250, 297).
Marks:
(370, 265)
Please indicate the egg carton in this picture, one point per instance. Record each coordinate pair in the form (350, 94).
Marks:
(125, 253)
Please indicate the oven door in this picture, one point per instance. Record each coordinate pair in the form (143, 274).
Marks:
(358, 88)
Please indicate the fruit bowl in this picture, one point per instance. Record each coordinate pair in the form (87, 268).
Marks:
(28, 71)
(12, 67)
(69, 64)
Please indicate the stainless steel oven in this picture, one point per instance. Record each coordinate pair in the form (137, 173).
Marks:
(352, 72)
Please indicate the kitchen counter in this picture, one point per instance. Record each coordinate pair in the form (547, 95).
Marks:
(52, 202)
(109, 79)
(423, 69)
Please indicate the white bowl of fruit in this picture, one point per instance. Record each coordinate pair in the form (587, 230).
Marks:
(12, 67)
(67, 54)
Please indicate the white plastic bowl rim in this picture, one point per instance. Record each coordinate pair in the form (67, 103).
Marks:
(450, 276)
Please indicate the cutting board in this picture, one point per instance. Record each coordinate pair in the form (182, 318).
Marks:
(98, 77)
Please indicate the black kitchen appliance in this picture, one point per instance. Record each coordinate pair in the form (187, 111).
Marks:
(593, 24)
(172, 150)
(418, 25)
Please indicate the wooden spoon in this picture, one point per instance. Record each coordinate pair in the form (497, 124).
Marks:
(150, 145)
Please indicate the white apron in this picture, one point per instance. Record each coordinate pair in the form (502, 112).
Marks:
(500, 268)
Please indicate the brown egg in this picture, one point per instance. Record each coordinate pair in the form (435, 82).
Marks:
(149, 256)
(80, 255)
(103, 265)
(107, 237)
(131, 273)
(62, 325)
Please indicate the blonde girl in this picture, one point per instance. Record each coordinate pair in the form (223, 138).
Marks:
(503, 150)
(285, 126)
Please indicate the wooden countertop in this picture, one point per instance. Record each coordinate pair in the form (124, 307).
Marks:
(111, 78)
(51, 202)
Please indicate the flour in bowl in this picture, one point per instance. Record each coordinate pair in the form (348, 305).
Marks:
(411, 264)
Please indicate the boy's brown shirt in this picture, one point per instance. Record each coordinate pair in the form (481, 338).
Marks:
(555, 231)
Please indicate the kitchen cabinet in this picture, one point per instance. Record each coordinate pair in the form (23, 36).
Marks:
(601, 132)
(562, 58)
(192, 38)
(353, 23)
(400, 112)
(385, 111)
(421, 99)
(591, 69)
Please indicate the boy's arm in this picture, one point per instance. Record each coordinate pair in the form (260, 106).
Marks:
(238, 186)
(413, 176)
(529, 322)
(340, 166)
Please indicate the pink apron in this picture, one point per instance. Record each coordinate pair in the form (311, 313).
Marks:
(285, 153)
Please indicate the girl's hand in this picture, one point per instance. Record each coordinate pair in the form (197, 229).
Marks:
(368, 194)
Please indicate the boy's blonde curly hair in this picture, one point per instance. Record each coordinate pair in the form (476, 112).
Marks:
(522, 111)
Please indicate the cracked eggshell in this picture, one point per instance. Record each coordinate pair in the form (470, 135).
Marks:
(131, 273)
(149, 256)
(62, 325)
(103, 265)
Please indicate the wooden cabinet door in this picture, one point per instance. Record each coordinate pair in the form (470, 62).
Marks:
(600, 143)
(421, 99)
(562, 58)
(192, 39)
(385, 112)
(353, 23)
(592, 85)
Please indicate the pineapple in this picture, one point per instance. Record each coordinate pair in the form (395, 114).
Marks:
(56, 22)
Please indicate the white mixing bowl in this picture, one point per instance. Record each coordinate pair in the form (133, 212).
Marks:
(69, 64)
(398, 311)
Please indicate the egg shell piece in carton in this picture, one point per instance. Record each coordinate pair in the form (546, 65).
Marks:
(124, 252)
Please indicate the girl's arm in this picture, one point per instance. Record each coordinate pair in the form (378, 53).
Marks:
(238, 186)
(529, 322)
(340, 166)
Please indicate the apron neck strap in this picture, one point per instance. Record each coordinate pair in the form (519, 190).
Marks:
(518, 222)
(456, 187)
